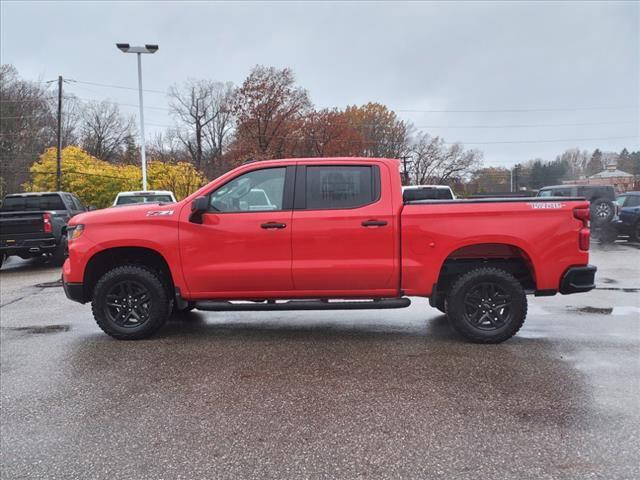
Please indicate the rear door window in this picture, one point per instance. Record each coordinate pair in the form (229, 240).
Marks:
(338, 187)
(562, 192)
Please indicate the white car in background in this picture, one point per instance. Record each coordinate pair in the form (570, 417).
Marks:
(427, 192)
(149, 196)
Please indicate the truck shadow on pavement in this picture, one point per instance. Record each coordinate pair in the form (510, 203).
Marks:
(195, 324)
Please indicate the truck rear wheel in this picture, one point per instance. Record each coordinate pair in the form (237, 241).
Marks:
(130, 302)
(487, 305)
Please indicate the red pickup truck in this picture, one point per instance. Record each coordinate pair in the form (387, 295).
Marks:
(331, 234)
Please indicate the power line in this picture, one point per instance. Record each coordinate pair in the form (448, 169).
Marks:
(544, 141)
(121, 87)
(84, 99)
(514, 110)
(538, 125)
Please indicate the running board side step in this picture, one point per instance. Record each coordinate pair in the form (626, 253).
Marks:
(216, 306)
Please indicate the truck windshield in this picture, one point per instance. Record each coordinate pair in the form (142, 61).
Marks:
(127, 200)
(34, 202)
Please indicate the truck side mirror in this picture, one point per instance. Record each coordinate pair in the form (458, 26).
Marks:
(199, 206)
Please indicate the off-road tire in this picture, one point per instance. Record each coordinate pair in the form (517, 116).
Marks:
(457, 311)
(602, 211)
(605, 234)
(160, 303)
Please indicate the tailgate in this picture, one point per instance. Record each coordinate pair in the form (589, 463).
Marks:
(20, 223)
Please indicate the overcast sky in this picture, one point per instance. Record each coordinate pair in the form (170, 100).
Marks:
(459, 70)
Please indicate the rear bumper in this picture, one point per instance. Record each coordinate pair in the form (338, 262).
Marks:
(578, 279)
(74, 291)
(28, 246)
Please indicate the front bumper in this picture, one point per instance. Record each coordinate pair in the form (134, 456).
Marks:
(622, 227)
(74, 291)
(578, 279)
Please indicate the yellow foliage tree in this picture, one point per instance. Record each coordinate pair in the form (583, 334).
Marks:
(97, 182)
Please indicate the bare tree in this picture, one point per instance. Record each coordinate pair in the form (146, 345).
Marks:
(576, 161)
(167, 147)
(205, 120)
(106, 133)
(434, 162)
(25, 129)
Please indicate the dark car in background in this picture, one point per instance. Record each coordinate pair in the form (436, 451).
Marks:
(628, 221)
(34, 224)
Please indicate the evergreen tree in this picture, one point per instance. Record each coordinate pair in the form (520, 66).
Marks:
(595, 163)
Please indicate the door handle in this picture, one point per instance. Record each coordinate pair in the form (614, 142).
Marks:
(270, 225)
(374, 223)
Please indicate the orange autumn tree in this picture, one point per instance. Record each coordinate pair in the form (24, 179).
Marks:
(383, 133)
(269, 109)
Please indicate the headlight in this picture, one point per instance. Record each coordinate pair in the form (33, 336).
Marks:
(74, 232)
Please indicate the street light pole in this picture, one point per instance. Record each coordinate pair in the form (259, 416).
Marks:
(143, 156)
(126, 48)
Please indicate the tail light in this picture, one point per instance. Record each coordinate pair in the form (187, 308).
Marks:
(583, 213)
(46, 223)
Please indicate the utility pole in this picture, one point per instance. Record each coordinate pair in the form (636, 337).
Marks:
(405, 171)
(59, 134)
(511, 190)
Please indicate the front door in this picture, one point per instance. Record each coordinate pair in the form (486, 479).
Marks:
(243, 245)
(343, 231)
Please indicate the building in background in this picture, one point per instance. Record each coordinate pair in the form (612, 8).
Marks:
(621, 181)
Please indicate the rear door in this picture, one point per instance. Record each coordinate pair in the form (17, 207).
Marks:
(343, 230)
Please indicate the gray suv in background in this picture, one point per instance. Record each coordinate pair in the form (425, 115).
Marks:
(601, 197)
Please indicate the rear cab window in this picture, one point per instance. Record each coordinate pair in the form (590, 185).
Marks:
(34, 202)
(331, 187)
(132, 199)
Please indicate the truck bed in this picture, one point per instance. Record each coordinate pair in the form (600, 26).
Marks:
(534, 231)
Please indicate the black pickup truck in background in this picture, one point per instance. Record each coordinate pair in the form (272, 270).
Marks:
(34, 224)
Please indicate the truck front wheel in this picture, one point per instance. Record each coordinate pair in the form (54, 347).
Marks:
(130, 302)
(487, 305)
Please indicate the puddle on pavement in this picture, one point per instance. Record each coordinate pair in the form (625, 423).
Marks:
(41, 329)
(600, 310)
(620, 289)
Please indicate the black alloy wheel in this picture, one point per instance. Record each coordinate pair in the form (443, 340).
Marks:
(128, 304)
(487, 306)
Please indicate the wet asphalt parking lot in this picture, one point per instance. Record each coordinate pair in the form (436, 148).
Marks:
(368, 394)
